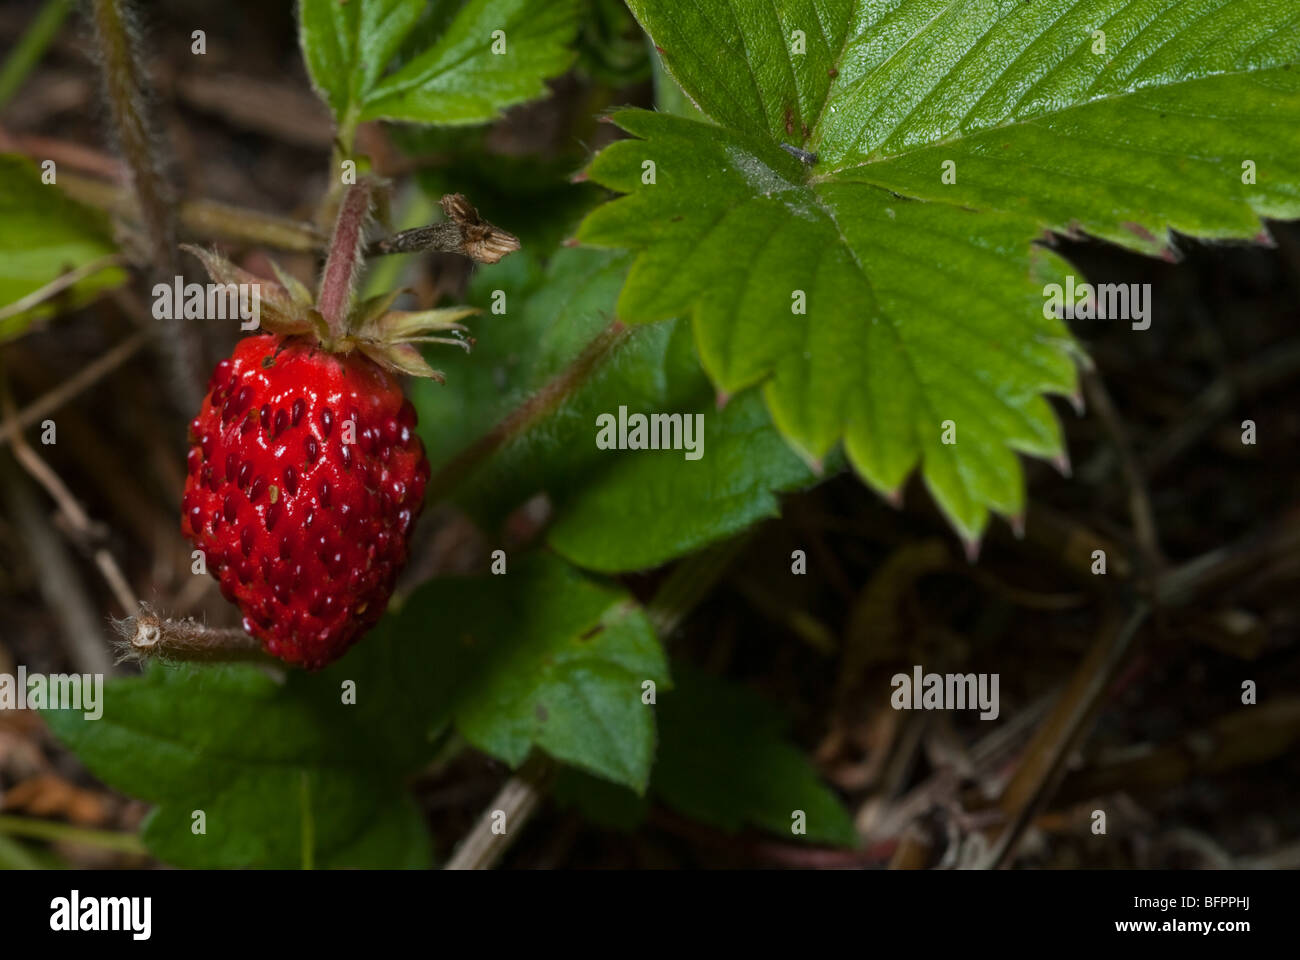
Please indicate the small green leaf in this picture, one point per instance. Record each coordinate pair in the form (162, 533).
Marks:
(43, 235)
(540, 656)
(488, 55)
(724, 759)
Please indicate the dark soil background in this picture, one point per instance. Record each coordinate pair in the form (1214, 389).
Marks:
(1202, 532)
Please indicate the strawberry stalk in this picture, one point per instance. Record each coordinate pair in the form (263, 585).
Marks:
(346, 256)
(148, 636)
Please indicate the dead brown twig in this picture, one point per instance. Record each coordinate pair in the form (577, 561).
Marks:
(90, 374)
(72, 512)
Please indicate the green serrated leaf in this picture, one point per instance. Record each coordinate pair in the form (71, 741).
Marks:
(262, 761)
(1123, 119)
(488, 55)
(724, 759)
(615, 510)
(43, 235)
(915, 314)
(541, 656)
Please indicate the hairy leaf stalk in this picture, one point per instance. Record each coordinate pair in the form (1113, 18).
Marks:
(144, 153)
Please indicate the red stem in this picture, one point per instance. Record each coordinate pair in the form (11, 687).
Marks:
(345, 257)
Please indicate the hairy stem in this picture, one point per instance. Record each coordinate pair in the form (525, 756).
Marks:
(124, 87)
(143, 151)
(147, 636)
(345, 256)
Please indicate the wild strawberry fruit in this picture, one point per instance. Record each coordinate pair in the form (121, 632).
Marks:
(305, 474)
(304, 480)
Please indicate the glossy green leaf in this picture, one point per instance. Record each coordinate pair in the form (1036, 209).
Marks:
(614, 510)
(483, 56)
(1124, 119)
(542, 656)
(43, 235)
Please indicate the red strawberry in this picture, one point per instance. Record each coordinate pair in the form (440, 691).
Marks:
(304, 475)
(305, 531)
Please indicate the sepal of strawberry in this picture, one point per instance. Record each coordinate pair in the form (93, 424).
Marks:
(338, 323)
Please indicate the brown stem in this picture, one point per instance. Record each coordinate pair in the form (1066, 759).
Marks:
(345, 257)
(56, 575)
(1043, 763)
(147, 636)
(203, 218)
(514, 803)
(124, 86)
(143, 151)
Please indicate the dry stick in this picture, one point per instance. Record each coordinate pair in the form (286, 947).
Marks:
(1202, 575)
(1034, 784)
(1041, 771)
(86, 377)
(684, 588)
(72, 512)
(1278, 364)
(77, 519)
(64, 154)
(511, 807)
(56, 576)
(61, 283)
(204, 218)
(463, 232)
(1250, 735)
